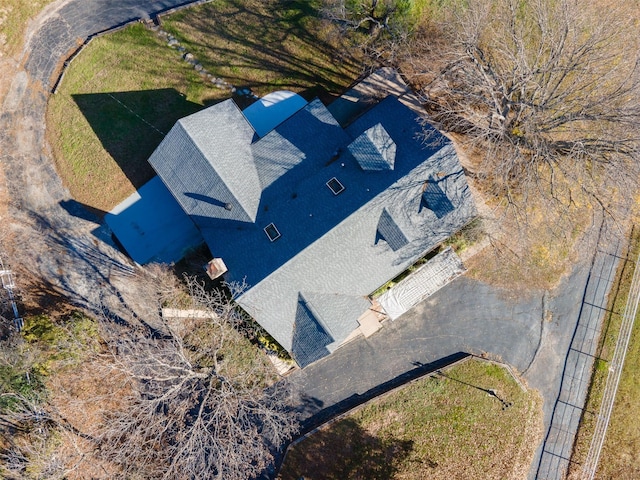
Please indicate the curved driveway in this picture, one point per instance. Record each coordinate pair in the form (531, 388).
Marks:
(77, 20)
(52, 241)
(466, 316)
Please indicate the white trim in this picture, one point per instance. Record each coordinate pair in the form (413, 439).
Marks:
(335, 180)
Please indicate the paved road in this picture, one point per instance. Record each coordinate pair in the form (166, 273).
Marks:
(63, 31)
(466, 316)
(565, 403)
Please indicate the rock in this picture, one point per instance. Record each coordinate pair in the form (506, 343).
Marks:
(172, 42)
(188, 57)
(198, 67)
(181, 48)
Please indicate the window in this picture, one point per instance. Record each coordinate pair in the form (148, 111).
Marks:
(272, 232)
(335, 186)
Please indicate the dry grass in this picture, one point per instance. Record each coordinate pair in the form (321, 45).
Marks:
(533, 249)
(537, 242)
(14, 17)
(438, 428)
(81, 396)
(620, 458)
(124, 91)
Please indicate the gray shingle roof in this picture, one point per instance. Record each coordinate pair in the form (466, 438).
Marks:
(322, 321)
(374, 149)
(310, 136)
(389, 231)
(310, 339)
(327, 254)
(206, 162)
(435, 199)
(328, 243)
(338, 313)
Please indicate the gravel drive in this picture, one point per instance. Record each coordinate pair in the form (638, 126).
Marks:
(56, 238)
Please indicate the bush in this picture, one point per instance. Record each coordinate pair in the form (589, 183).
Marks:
(67, 341)
(19, 381)
(472, 233)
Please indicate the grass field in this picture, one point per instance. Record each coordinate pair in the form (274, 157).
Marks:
(267, 44)
(620, 457)
(125, 90)
(117, 99)
(14, 15)
(445, 427)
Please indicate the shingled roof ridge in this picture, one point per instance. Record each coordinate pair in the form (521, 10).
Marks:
(230, 185)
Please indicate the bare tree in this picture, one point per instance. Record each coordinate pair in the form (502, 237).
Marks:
(376, 26)
(544, 95)
(29, 431)
(369, 15)
(200, 404)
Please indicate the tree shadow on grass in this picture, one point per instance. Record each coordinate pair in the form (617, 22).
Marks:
(130, 125)
(269, 45)
(346, 450)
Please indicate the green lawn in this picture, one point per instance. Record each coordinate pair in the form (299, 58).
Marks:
(620, 457)
(124, 91)
(445, 427)
(117, 99)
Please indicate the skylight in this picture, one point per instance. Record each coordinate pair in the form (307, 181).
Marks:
(335, 186)
(272, 232)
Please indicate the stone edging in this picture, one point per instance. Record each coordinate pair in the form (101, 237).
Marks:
(74, 54)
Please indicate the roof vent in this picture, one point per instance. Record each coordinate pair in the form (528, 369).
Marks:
(335, 186)
(272, 232)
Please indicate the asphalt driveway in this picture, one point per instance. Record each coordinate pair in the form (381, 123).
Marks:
(62, 32)
(532, 334)
(466, 316)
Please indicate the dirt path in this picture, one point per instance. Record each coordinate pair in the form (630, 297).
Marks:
(60, 250)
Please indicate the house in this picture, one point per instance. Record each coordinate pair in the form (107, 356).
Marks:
(313, 216)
